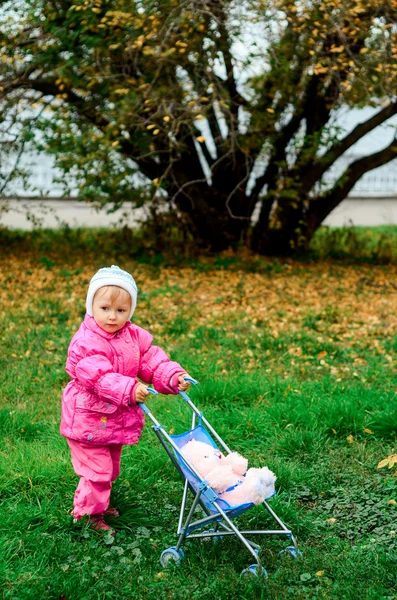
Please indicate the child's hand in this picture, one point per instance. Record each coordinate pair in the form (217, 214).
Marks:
(141, 393)
(183, 385)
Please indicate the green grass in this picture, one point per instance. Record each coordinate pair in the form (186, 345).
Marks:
(354, 244)
(363, 243)
(322, 422)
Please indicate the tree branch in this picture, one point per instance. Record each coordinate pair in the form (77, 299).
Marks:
(224, 45)
(322, 206)
(323, 163)
(90, 112)
(278, 154)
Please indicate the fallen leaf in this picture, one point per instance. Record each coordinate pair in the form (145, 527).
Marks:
(391, 460)
(295, 351)
(160, 575)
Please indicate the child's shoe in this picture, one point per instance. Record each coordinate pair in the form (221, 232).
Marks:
(99, 524)
(112, 512)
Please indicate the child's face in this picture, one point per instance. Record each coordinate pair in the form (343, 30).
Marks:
(111, 308)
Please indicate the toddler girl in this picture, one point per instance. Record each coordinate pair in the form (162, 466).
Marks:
(100, 411)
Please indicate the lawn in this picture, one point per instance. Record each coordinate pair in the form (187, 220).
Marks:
(297, 368)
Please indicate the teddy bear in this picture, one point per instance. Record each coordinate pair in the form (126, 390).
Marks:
(228, 475)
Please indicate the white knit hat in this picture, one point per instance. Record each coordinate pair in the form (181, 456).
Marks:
(112, 276)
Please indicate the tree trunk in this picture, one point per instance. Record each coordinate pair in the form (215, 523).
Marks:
(211, 224)
(282, 233)
(280, 241)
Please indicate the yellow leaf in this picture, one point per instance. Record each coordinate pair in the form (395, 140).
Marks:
(350, 439)
(320, 573)
(333, 430)
(295, 351)
(320, 70)
(270, 110)
(337, 49)
(368, 431)
(322, 354)
(391, 460)
(201, 139)
(331, 520)
(151, 126)
(166, 118)
(392, 502)
(156, 131)
(160, 575)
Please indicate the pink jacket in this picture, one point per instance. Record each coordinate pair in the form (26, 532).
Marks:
(98, 405)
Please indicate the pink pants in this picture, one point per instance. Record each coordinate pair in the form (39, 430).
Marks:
(97, 467)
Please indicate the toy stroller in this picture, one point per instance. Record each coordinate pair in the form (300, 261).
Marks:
(217, 511)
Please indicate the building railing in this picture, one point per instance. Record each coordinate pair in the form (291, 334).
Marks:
(381, 181)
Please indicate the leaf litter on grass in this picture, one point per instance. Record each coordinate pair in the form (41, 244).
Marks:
(316, 326)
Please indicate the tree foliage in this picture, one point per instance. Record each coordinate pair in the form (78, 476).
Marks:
(225, 108)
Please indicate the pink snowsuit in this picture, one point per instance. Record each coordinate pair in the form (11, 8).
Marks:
(99, 412)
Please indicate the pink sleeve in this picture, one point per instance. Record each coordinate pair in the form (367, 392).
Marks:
(155, 366)
(96, 373)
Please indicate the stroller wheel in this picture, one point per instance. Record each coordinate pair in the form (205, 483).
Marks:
(292, 551)
(254, 571)
(171, 555)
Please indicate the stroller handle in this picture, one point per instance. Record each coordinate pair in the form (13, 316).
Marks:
(142, 405)
(152, 391)
(191, 380)
(184, 394)
(146, 410)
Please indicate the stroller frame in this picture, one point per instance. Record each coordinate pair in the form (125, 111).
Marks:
(206, 497)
